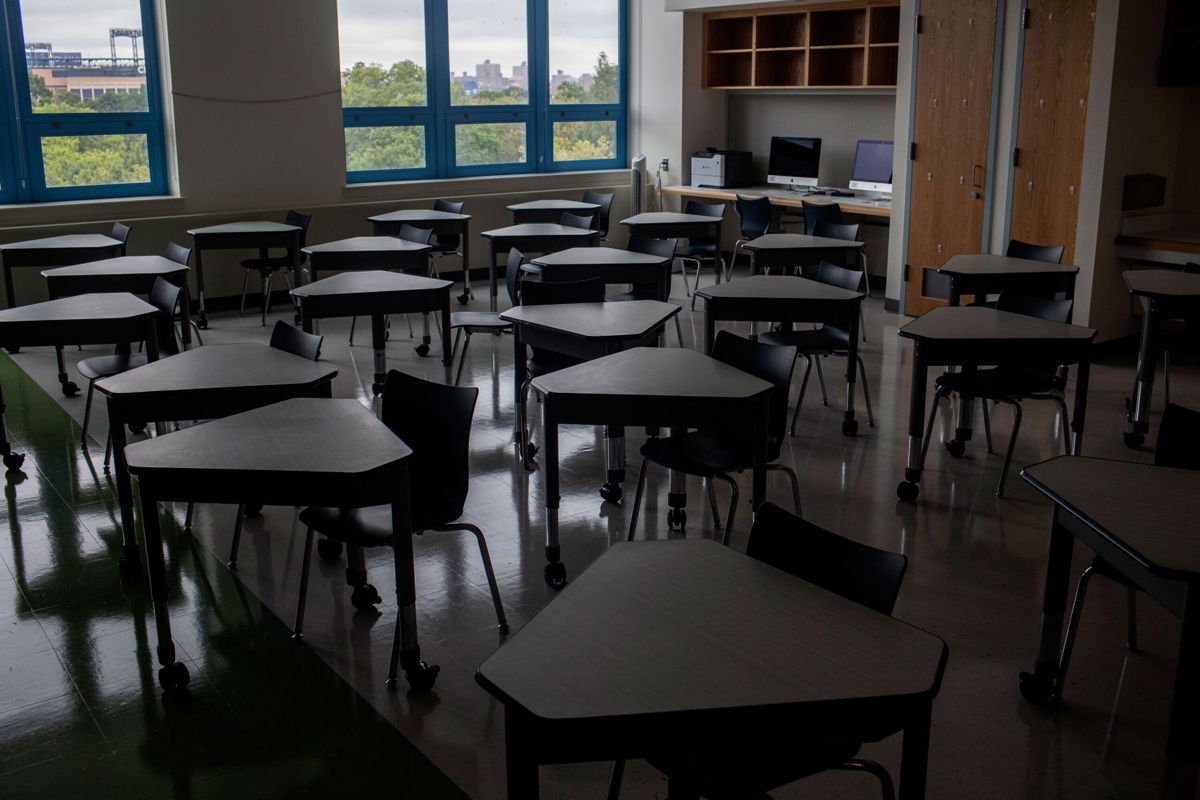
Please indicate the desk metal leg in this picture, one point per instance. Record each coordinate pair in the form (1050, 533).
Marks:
(129, 565)
(185, 317)
(849, 424)
(379, 343)
(1183, 728)
(444, 320)
(908, 489)
(555, 570)
(297, 274)
(1077, 419)
(492, 275)
(423, 348)
(1042, 684)
(1138, 418)
(914, 756)
(519, 760)
(466, 265)
(758, 494)
(406, 650)
(172, 675)
(202, 315)
(8, 286)
(614, 463)
(710, 328)
(966, 419)
(12, 461)
(68, 386)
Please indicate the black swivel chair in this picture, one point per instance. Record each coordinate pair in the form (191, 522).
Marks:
(751, 767)
(820, 212)
(701, 250)
(1007, 384)
(756, 215)
(266, 266)
(712, 453)
(604, 200)
(828, 340)
(584, 221)
(435, 421)
(1051, 254)
(848, 233)
(467, 323)
(1178, 446)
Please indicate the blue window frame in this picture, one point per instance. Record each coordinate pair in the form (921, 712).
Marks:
(86, 123)
(454, 135)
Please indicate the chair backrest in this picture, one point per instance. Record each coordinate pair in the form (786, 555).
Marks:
(1040, 307)
(839, 276)
(120, 232)
(835, 230)
(664, 248)
(756, 214)
(576, 220)
(867, 575)
(545, 293)
(411, 233)
(772, 363)
(820, 212)
(704, 209)
(1051, 254)
(604, 199)
(178, 253)
(447, 242)
(295, 341)
(300, 221)
(164, 296)
(450, 206)
(1178, 443)
(435, 421)
(512, 275)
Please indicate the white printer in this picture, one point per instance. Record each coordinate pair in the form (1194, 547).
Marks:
(722, 169)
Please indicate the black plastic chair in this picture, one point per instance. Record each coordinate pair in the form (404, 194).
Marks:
(120, 232)
(848, 233)
(570, 220)
(1178, 446)
(751, 767)
(701, 250)
(1007, 384)
(756, 215)
(663, 248)
(820, 212)
(1176, 338)
(182, 255)
(447, 244)
(828, 340)
(266, 266)
(1051, 254)
(467, 323)
(712, 453)
(604, 200)
(435, 421)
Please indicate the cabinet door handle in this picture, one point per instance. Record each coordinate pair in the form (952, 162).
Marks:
(976, 176)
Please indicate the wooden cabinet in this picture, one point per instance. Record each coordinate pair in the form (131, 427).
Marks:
(842, 45)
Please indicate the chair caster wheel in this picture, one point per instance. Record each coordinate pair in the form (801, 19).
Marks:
(556, 574)
(1038, 691)
(676, 519)
(421, 677)
(128, 568)
(956, 448)
(850, 427)
(253, 509)
(1135, 439)
(377, 389)
(463, 298)
(14, 460)
(137, 428)
(527, 457)
(908, 491)
(365, 597)
(329, 549)
(175, 678)
(422, 350)
(202, 324)
(70, 389)
(611, 492)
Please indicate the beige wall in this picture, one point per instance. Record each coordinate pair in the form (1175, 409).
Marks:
(1186, 195)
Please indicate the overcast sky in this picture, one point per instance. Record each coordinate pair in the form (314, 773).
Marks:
(70, 25)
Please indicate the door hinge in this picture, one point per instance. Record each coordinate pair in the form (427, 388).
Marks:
(1016, 157)
(905, 280)
(912, 151)
(1025, 18)
(920, 20)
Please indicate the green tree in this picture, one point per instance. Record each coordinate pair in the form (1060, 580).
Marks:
(38, 91)
(372, 86)
(112, 102)
(95, 160)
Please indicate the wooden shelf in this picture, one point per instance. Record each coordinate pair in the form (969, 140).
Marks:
(838, 27)
(780, 30)
(776, 68)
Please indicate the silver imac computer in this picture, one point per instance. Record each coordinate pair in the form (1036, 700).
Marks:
(794, 161)
(872, 170)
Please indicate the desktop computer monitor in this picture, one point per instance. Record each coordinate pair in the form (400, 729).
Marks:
(794, 161)
(872, 170)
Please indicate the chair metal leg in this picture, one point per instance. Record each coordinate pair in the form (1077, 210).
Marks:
(245, 287)
(501, 619)
(187, 516)
(987, 423)
(87, 412)
(637, 500)
(821, 381)
(862, 372)
(522, 424)
(237, 537)
(1065, 425)
(733, 500)
(266, 298)
(712, 502)
(885, 780)
(353, 322)
(678, 330)
(614, 782)
(933, 410)
(800, 397)
(107, 451)
(1012, 441)
(791, 473)
(1131, 608)
(1064, 658)
(301, 601)
(462, 357)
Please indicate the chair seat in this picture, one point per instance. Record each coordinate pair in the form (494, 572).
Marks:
(707, 452)
(998, 383)
(826, 339)
(545, 361)
(103, 366)
(699, 249)
(640, 292)
(478, 319)
(368, 527)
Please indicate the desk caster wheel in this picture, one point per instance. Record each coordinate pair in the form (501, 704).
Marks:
(1135, 439)
(365, 597)
(377, 389)
(527, 457)
(202, 323)
(850, 427)
(463, 298)
(137, 428)
(70, 388)
(253, 509)
(422, 350)
(329, 549)
(676, 519)
(556, 574)
(129, 569)
(611, 492)
(175, 678)
(1038, 691)
(956, 448)
(14, 460)
(908, 491)
(421, 677)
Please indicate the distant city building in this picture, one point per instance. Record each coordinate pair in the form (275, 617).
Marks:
(585, 80)
(488, 76)
(520, 76)
(88, 78)
(558, 79)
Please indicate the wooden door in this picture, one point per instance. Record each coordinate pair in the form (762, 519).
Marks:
(1055, 73)
(947, 193)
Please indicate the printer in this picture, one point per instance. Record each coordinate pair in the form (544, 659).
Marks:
(722, 169)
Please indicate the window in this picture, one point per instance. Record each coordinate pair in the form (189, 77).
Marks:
(80, 113)
(447, 88)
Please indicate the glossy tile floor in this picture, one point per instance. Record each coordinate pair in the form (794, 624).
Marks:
(81, 713)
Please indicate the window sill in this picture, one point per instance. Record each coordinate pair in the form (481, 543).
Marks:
(72, 212)
(486, 185)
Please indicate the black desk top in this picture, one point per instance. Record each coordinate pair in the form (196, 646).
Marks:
(596, 256)
(81, 308)
(1162, 283)
(369, 282)
(982, 324)
(1149, 512)
(986, 264)
(664, 372)
(554, 205)
(667, 627)
(302, 437)
(667, 218)
(798, 241)
(417, 215)
(68, 242)
(246, 226)
(124, 265)
(244, 365)
(632, 319)
(367, 244)
(777, 287)
(532, 229)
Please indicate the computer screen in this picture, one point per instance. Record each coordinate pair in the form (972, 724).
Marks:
(794, 161)
(872, 169)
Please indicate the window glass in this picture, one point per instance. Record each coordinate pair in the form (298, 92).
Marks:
(382, 52)
(584, 51)
(489, 143)
(95, 160)
(385, 147)
(489, 52)
(585, 141)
